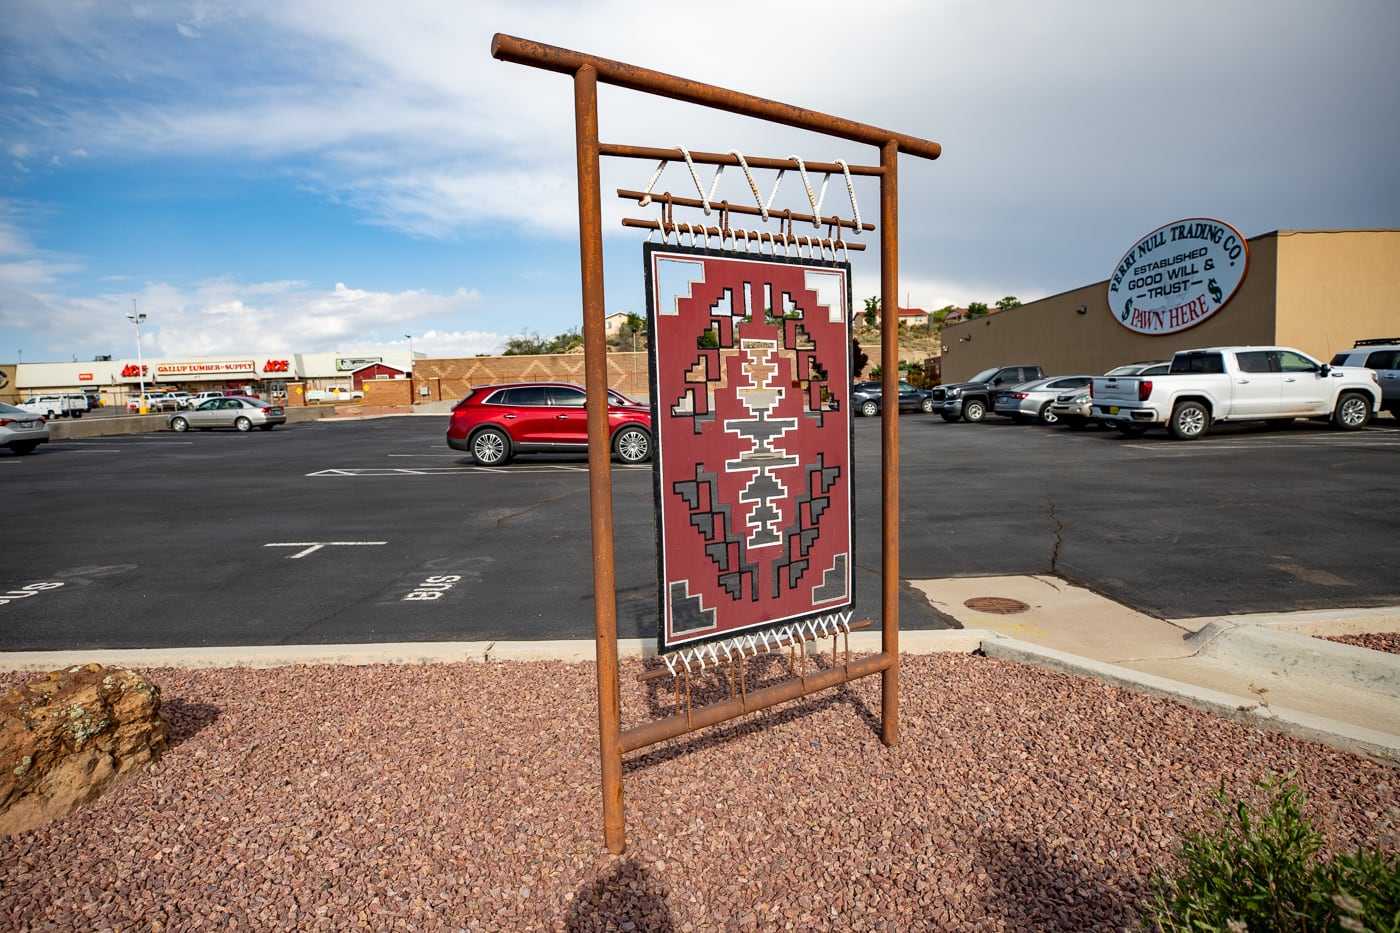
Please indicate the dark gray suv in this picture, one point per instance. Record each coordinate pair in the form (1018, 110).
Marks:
(1383, 355)
(866, 398)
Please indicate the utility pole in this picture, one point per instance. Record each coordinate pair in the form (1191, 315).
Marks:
(136, 318)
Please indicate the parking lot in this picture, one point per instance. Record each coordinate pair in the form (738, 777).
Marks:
(375, 531)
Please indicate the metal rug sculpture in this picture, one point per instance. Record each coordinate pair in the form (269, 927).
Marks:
(750, 383)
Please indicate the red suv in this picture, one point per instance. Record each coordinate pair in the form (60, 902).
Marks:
(494, 423)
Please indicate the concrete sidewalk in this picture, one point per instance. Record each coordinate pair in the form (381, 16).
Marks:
(1265, 668)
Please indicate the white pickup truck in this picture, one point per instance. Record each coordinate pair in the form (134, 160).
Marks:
(56, 406)
(1275, 384)
(334, 394)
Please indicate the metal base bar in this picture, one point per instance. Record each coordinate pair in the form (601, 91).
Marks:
(659, 730)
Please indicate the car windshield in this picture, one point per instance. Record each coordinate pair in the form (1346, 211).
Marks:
(617, 398)
(985, 375)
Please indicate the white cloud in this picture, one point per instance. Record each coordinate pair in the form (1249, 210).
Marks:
(1068, 129)
(227, 316)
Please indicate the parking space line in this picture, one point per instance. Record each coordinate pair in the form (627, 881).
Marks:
(310, 547)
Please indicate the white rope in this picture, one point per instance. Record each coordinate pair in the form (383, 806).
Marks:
(753, 185)
(851, 190)
(812, 199)
(695, 177)
(646, 195)
(773, 195)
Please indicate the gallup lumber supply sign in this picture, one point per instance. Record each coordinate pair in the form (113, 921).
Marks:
(1177, 276)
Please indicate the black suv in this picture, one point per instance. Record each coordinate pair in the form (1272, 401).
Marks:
(866, 398)
(972, 400)
(1383, 355)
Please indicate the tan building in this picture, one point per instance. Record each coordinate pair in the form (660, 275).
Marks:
(1317, 291)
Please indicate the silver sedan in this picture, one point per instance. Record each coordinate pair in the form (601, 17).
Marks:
(21, 431)
(1033, 399)
(233, 411)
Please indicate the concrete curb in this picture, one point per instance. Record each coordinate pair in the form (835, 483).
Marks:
(447, 652)
(1348, 737)
(1299, 656)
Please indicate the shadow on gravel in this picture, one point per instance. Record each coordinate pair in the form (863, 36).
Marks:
(1039, 889)
(187, 719)
(626, 898)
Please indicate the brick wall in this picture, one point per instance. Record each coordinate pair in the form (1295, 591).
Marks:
(451, 378)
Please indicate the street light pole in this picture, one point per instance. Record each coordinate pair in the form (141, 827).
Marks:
(136, 318)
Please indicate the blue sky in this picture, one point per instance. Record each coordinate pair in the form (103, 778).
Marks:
(308, 175)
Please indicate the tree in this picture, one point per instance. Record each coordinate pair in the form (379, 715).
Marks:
(872, 311)
(1010, 301)
(977, 309)
(526, 344)
(858, 358)
(938, 317)
(565, 342)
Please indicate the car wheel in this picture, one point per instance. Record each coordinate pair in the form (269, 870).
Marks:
(974, 410)
(243, 424)
(491, 447)
(179, 424)
(869, 408)
(24, 447)
(1047, 416)
(1353, 411)
(1190, 420)
(632, 445)
(947, 417)
(1131, 430)
(926, 405)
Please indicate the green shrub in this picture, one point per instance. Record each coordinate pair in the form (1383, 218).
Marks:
(1261, 872)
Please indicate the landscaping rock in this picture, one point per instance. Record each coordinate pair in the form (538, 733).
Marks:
(67, 737)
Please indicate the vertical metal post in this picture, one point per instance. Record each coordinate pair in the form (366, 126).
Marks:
(590, 229)
(889, 439)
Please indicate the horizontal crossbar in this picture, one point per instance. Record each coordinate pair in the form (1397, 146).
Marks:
(729, 158)
(658, 730)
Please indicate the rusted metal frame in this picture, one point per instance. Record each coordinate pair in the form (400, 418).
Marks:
(587, 71)
(736, 235)
(889, 441)
(658, 730)
(566, 61)
(590, 222)
(728, 158)
(785, 215)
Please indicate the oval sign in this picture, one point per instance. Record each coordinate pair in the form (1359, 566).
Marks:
(1177, 276)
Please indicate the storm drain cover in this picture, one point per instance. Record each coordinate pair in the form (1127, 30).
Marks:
(1001, 605)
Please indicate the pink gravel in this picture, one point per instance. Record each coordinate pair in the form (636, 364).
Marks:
(465, 797)
(1379, 641)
